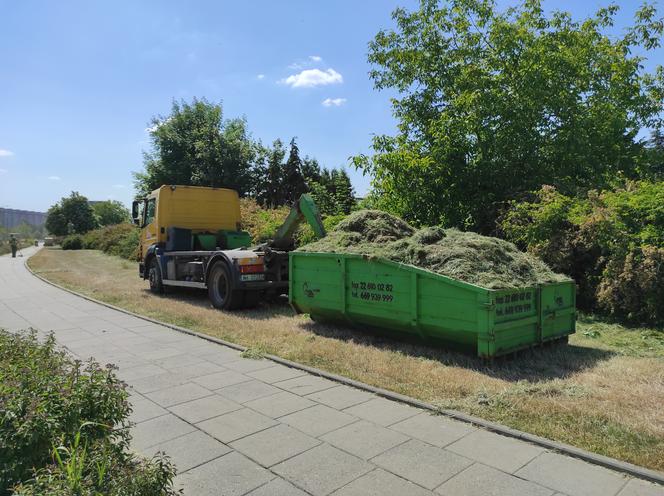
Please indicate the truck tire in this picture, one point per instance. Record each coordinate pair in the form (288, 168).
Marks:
(154, 276)
(220, 289)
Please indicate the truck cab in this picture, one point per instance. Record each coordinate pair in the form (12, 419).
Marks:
(191, 236)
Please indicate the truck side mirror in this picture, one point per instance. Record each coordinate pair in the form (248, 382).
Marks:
(135, 216)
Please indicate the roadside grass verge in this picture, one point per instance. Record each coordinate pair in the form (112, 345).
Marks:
(603, 393)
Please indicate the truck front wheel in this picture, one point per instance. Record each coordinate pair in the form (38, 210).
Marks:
(154, 276)
(220, 288)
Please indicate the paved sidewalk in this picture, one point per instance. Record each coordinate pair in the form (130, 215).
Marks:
(235, 426)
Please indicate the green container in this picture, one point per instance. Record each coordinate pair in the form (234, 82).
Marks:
(405, 300)
(235, 239)
(207, 241)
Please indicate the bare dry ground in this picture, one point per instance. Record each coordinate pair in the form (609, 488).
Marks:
(603, 393)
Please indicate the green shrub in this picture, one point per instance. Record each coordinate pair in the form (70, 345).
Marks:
(119, 239)
(632, 287)
(598, 240)
(72, 242)
(62, 421)
(261, 223)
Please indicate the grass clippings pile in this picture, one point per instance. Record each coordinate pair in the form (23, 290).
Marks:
(481, 260)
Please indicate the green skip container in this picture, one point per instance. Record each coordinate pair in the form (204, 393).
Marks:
(404, 300)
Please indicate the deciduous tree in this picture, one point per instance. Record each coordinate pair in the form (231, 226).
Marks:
(493, 104)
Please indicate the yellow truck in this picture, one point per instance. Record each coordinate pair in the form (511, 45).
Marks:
(192, 237)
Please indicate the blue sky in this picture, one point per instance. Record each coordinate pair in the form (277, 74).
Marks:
(80, 80)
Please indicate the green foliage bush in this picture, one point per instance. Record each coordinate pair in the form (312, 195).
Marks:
(609, 242)
(64, 427)
(633, 287)
(72, 242)
(261, 222)
(120, 239)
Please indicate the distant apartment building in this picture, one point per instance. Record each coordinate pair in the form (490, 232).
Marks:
(11, 218)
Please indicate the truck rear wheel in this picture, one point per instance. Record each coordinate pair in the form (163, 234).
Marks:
(154, 276)
(220, 289)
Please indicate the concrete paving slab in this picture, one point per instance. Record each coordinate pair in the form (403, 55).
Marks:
(433, 429)
(426, 465)
(571, 476)
(504, 453)
(193, 370)
(341, 397)
(381, 483)
(183, 361)
(191, 450)
(221, 379)
(178, 394)
(217, 354)
(277, 487)
(481, 480)
(305, 385)
(383, 412)
(158, 430)
(161, 353)
(276, 374)
(144, 409)
(228, 475)
(247, 391)
(248, 365)
(364, 439)
(322, 469)
(204, 408)
(318, 420)
(235, 425)
(641, 488)
(157, 382)
(274, 445)
(140, 371)
(280, 404)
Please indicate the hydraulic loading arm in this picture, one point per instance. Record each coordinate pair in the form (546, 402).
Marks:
(304, 210)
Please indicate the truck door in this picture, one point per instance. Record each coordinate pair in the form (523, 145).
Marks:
(149, 231)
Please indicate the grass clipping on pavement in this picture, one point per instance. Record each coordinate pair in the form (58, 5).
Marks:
(484, 261)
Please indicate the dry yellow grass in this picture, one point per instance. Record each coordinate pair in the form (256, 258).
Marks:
(604, 392)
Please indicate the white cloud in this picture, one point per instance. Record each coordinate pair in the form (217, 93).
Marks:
(313, 77)
(333, 102)
(3, 171)
(54, 178)
(5, 153)
(315, 58)
(260, 76)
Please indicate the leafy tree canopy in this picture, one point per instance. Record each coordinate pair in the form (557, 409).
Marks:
(110, 212)
(71, 215)
(195, 146)
(493, 104)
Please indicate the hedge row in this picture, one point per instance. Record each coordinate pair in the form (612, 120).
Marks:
(64, 426)
(120, 239)
(610, 242)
